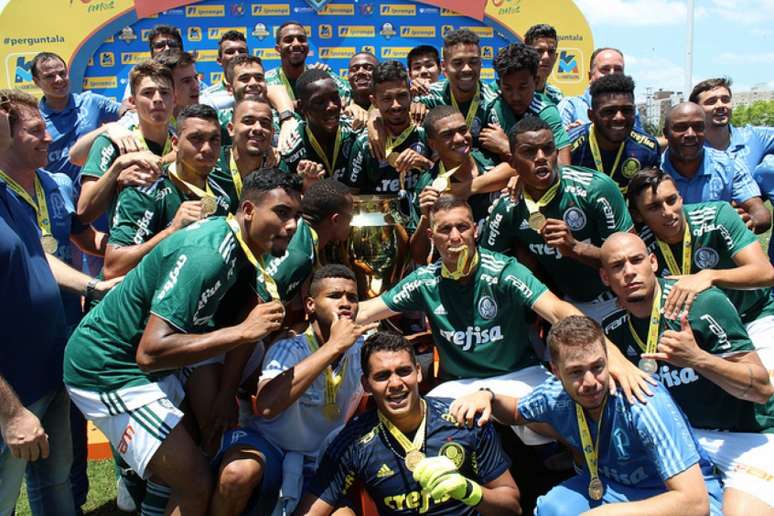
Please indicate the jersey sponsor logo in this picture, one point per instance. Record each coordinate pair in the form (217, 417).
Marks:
(172, 278)
(545, 250)
(643, 140)
(616, 323)
(126, 438)
(384, 472)
(621, 444)
(418, 501)
(270, 10)
(576, 190)
(630, 479)
(607, 209)
(519, 284)
(717, 329)
(494, 228)
(205, 11)
(405, 292)
(706, 258)
(575, 218)
(676, 377)
(203, 301)
(142, 227)
(454, 452)
(367, 438)
(397, 10)
(473, 336)
(487, 308)
(630, 167)
(106, 157)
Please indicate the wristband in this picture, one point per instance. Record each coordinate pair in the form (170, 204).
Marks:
(473, 494)
(91, 289)
(285, 115)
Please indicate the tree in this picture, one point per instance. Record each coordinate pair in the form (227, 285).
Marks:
(760, 112)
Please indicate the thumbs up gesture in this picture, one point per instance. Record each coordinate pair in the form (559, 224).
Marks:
(678, 348)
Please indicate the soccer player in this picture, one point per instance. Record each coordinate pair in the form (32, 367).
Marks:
(543, 39)
(706, 360)
(309, 387)
(705, 174)
(560, 220)
(424, 67)
(610, 144)
(322, 143)
(120, 363)
(361, 69)
(517, 75)
(403, 475)
(704, 245)
(408, 151)
(232, 43)
(246, 79)
(184, 194)
(638, 458)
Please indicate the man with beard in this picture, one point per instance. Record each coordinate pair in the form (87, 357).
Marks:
(560, 219)
(610, 144)
(309, 387)
(361, 69)
(706, 361)
(121, 362)
(705, 174)
(445, 469)
(542, 38)
(637, 458)
(322, 142)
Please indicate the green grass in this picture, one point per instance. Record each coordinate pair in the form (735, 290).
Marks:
(102, 492)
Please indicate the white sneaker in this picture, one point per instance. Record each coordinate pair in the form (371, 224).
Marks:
(124, 500)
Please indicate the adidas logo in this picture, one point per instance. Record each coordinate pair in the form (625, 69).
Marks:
(384, 472)
(440, 310)
(524, 224)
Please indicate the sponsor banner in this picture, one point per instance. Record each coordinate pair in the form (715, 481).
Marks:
(270, 10)
(205, 11)
(216, 32)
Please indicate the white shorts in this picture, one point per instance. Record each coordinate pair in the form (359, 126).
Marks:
(761, 332)
(746, 460)
(136, 420)
(597, 309)
(517, 384)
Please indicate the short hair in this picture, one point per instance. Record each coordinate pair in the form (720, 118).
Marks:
(42, 57)
(460, 36)
(306, 79)
(643, 179)
(516, 57)
(287, 24)
(436, 114)
(240, 60)
(709, 84)
(264, 180)
(384, 341)
(541, 30)
(422, 50)
(611, 84)
(152, 69)
(331, 270)
(174, 57)
(165, 30)
(599, 51)
(324, 198)
(200, 111)
(17, 100)
(390, 71)
(248, 98)
(577, 331)
(447, 202)
(230, 35)
(527, 124)
(363, 53)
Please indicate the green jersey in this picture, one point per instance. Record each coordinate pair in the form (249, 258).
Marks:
(552, 93)
(500, 113)
(273, 78)
(480, 326)
(593, 209)
(302, 148)
(224, 117)
(221, 174)
(718, 330)
(182, 280)
(717, 234)
(142, 212)
(293, 268)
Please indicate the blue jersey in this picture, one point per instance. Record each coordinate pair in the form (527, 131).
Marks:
(719, 178)
(365, 451)
(750, 144)
(640, 151)
(641, 445)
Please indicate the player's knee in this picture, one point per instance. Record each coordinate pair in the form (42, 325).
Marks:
(240, 478)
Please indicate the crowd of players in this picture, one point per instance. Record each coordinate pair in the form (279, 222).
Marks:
(167, 273)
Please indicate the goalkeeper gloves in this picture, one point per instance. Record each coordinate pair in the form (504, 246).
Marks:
(440, 477)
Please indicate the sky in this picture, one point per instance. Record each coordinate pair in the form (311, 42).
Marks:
(733, 38)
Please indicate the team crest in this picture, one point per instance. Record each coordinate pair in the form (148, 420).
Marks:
(454, 452)
(630, 167)
(487, 308)
(575, 219)
(706, 258)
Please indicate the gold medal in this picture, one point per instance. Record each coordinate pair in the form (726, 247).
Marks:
(536, 220)
(441, 184)
(209, 205)
(596, 489)
(49, 244)
(331, 411)
(648, 365)
(392, 159)
(413, 458)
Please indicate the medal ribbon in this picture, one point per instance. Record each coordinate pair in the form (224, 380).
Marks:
(271, 285)
(444, 177)
(333, 381)
(330, 166)
(286, 83)
(597, 155)
(534, 206)
(38, 204)
(315, 242)
(419, 437)
(653, 324)
(140, 139)
(402, 137)
(472, 109)
(194, 189)
(236, 177)
(460, 271)
(670, 258)
(590, 452)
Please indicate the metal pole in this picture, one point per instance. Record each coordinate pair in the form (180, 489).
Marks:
(688, 75)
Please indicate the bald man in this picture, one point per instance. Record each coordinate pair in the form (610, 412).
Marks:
(705, 174)
(707, 362)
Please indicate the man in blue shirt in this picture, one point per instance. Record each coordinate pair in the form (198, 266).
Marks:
(704, 174)
(642, 457)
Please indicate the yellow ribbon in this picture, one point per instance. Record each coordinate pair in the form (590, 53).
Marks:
(472, 109)
(286, 83)
(419, 436)
(590, 451)
(333, 381)
(442, 182)
(315, 243)
(653, 324)
(207, 192)
(533, 205)
(140, 139)
(597, 155)
(330, 166)
(461, 271)
(395, 142)
(666, 251)
(271, 285)
(38, 204)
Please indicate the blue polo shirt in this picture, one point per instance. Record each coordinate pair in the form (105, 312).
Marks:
(764, 177)
(32, 317)
(577, 108)
(85, 112)
(719, 178)
(750, 144)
